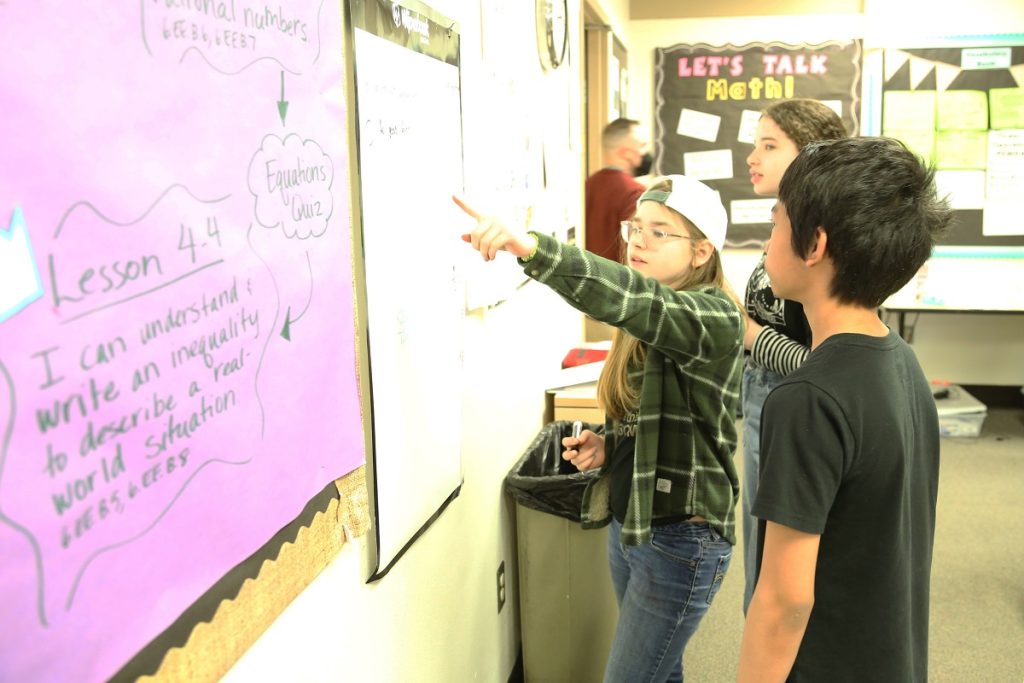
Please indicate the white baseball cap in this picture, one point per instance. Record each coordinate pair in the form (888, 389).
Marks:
(697, 202)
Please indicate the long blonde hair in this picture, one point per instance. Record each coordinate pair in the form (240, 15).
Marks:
(615, 395)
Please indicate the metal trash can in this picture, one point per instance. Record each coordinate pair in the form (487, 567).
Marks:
(566, 600)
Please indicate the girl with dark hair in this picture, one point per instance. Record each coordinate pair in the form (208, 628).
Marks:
(777, 335)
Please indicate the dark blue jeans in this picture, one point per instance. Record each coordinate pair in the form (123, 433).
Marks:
(664, 589)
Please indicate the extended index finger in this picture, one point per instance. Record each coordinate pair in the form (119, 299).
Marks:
(465, 207)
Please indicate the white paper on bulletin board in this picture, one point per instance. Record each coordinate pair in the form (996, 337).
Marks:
(408, 109)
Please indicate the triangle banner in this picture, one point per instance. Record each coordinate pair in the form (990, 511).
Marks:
(1017, 72)
(946, 74)
(919, 70)
(894, 59)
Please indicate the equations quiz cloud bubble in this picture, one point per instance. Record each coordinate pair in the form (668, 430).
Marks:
(291, 180)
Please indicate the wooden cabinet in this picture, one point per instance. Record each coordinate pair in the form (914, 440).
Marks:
(577, 403)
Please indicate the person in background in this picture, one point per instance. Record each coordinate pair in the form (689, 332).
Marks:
(611, 193)
(777, 335)
(849, 440)
(669, 390)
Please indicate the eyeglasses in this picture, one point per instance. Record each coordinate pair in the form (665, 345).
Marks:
(652, 236)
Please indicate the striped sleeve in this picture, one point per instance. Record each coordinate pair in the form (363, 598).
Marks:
(777, 352)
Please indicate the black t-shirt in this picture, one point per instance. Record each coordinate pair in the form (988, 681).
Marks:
(620, 472)
(764, 308)
(850, 451)
(620, 468)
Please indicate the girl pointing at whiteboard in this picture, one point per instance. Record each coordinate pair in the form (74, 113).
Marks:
(669, 390)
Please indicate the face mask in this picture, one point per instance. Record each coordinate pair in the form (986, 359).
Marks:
(645, 165)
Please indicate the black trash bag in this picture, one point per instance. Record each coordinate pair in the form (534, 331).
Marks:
(542, 480)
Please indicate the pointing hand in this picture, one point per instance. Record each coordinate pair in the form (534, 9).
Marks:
(490, 236)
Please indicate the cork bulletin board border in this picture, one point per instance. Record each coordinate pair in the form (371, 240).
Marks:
(210, 636)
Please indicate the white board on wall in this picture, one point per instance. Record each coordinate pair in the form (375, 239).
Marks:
(408, 109)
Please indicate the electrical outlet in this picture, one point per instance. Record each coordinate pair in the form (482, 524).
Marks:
(501, 585)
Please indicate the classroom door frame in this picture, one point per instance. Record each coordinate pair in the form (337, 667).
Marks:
(603, 53)
(602, 50)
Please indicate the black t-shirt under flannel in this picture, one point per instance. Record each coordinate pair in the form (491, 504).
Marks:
(620, 469)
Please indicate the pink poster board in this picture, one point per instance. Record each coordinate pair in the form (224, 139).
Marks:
(177, 344)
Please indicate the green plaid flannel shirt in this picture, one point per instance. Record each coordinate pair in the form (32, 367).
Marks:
(686, 434)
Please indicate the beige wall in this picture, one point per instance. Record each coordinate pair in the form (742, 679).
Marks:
(617, 12)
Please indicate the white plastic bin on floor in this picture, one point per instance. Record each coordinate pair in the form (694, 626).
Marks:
(960, 414)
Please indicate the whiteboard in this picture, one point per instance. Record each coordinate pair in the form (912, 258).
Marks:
(408, 109)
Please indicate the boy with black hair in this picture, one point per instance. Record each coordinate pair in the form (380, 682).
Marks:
(850, 440)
